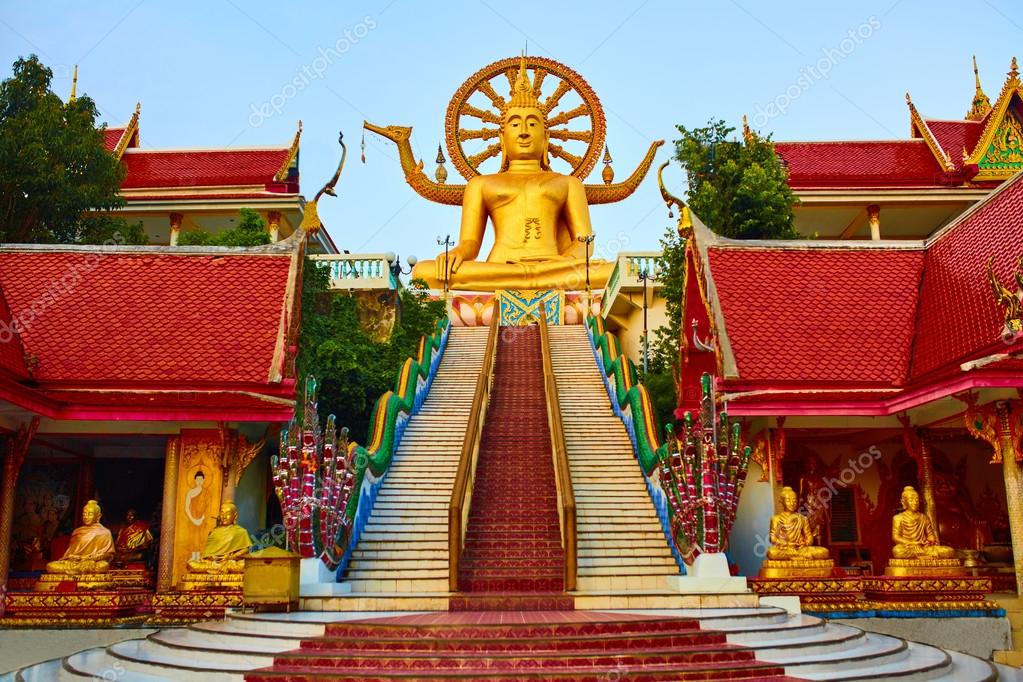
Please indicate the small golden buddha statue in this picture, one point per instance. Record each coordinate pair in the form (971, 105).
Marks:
(132, 540)
(225, 545)
(91, 547)
(792, 553)
(916, 550)
(539, 216)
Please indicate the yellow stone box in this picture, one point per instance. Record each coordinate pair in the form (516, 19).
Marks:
(272, 578)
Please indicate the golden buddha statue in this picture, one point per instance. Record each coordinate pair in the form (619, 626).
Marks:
(91, 546)
(132, 540)
(541, 218)
(916, 550)
(225, 546)
(792, 553)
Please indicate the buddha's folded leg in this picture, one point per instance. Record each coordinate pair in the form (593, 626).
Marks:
(566, 274)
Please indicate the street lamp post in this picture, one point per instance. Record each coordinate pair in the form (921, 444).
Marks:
(394, 264)
(587, 240)
(645, 276)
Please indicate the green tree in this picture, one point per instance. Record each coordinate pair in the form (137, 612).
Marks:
(250, 231)
(353, 369)
(56, 178)
(662, 379)
(739, 189)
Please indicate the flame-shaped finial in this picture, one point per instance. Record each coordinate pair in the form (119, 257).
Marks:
(74, 86)
(522, 94)
(981, 104)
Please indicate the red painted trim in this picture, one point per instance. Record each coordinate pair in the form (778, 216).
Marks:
(903, 400)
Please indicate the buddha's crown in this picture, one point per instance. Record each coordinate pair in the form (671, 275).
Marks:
(522, 94)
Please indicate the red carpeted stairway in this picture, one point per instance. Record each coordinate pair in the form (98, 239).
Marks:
(513, 538)
(542, 645)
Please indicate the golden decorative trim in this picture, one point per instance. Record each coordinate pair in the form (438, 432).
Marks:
(282, 173)
(130, 131)
(918, 124)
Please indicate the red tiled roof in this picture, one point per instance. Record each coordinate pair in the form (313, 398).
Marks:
(958, 313)
(12, 353)
(953, 136)
(894, 163)
(202, 168)
(834, 315)
(147, 316)
(111, 136)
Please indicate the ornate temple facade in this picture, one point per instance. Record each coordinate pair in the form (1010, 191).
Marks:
(907, 188)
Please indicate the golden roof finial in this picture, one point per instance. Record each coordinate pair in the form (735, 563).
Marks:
(74, 86)
(981, 104)
(747, 133)
(1014, 70)
(522, 94)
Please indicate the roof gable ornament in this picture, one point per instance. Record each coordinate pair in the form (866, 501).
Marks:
(292, 158)
(999, 151)
(1012, 302)
(981, 104)
(130, 133)
(919, 127)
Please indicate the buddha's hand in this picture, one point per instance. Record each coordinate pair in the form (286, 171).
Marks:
(455, 257)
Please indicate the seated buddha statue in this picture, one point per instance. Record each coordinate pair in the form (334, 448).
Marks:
(913, 533)
(225, 545)
(132, 540)
(541, 218)
(90, 549)
(790, 534)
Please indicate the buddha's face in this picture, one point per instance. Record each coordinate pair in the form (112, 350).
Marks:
(523, 135)
(228, 514)
(788, 499)
(911, 500)
(90, 514)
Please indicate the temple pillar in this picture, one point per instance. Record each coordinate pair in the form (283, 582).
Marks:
(273, 225)
(1013, 476)
(14, 457)
(165, 568)
(175, 227)
(874, 220)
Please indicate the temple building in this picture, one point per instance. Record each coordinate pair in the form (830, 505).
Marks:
(908, 188)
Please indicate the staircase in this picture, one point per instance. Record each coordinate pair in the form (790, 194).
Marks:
(621, 545)
(513, 538)
(404, 547)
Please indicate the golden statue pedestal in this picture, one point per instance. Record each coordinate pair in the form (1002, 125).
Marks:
(924, 568)
(62, 582)
(180, 607)
(214, 581)
(797, 568)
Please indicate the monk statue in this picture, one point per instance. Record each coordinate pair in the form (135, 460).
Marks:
(133, 539)
(913, 533)
(790, 534)
(225, 545)
(91, 547)
(541, 218)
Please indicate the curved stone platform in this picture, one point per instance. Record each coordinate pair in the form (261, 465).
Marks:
(767, 642)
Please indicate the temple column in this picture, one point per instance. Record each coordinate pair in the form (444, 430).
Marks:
(874, 220)
(165, 569)
(175, 227)
(16, 450)
(1013, 488)
(273, 225)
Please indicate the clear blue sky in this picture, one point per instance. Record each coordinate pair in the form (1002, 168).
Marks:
(200, 68)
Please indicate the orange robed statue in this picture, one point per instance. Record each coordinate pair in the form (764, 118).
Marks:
(91, 547)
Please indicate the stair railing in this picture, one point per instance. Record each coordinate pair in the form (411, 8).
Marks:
(562, 472)
(461, 493)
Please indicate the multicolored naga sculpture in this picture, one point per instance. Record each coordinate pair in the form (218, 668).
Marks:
(314, 478)
(702, 472)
